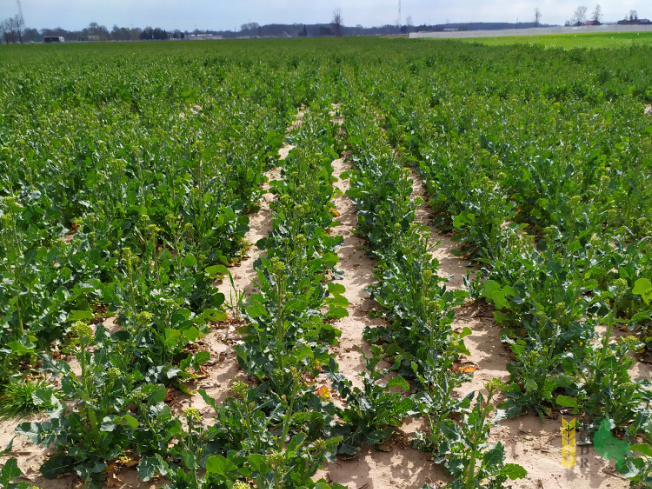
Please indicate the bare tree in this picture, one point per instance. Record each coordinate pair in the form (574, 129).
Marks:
(251, 27)
(409, 23)
(633, 15)
(580, 15)
(336, 23)
(19, 21)
(596, 16)
(12, 30)
(537, 17)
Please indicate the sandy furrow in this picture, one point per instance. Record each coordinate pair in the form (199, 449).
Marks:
(400, 467)
(219, 342)
(487, 352)
(528, 442)
(218, 372)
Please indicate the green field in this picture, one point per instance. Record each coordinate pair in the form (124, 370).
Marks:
(571, 41)
(132, 175)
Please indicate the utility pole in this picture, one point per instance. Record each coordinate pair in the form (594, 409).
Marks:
(20, 21)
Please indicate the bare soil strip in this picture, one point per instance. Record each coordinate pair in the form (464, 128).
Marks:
(528, 442)
(218, 372)
(399, 467)
(220, 341)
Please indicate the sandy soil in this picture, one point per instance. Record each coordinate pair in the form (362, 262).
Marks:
(534, 445)
(528, 442)
(219, 371)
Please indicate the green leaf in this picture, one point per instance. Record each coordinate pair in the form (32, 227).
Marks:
(643, 287)
(295, 442)
(497, 294)
(330, 259)
(217, 270)
(200, 358)
(607, 446)
(20, 349)
(189, 261)
(495, 456)
(338, 300)
(80, 315)
(337, 312)
(151, 466)
(643, 449)
(336, 289)
(9, 471)
(466, 332)
(514, 471)
(58, 465)
(217, 464)
(172, 338)
(255, 309)
(398, 381)
(530, 385)
(188, 459)
(566, 401)
(128, 420)
(258, 463)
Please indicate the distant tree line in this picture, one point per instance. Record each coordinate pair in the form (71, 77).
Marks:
(13, 31)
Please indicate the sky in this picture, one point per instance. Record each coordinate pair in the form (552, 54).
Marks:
(231, 14)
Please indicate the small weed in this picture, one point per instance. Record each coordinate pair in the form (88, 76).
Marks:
(18, 398)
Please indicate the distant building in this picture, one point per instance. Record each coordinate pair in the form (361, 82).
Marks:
(592, 22)
(203, 37)
(49, 39)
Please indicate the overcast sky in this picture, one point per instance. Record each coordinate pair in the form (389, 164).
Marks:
(223, 14)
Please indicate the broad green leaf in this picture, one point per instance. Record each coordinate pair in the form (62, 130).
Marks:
(151, 466)
(58, 465)
(494, 456)
(20, 349)
(188, 459)
(255, 309)
(201, 357)
(607, 446)
(217, 270)
(643, 287)
(398, 381)
(217, 464)
(295, 442)
(566, 401)
(189, 261)
(338, 300)
(514, 471)
(9, 471)
(128, 420)
(172, 338)
(336, 289)
(643, 449)
(337, 312)
(80, 315)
